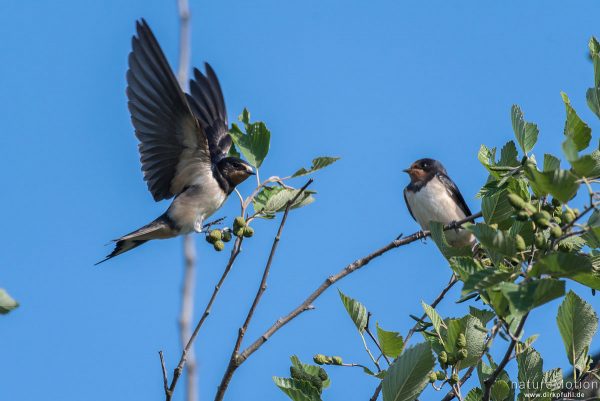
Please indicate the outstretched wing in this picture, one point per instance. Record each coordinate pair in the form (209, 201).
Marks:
(454, 193)
(208, 105)
(173, 147)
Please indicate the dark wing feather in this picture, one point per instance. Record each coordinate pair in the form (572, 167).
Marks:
(173, 147)
(208, 105)
(454, 193)
(408, 205)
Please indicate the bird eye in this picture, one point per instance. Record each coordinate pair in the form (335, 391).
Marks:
(425, 164)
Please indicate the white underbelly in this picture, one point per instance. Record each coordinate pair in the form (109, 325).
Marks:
(434, 203)
(190, 209)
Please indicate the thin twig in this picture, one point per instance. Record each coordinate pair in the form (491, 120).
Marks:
(487, 384)
(237, 247)
(164, 373)
(234, 362)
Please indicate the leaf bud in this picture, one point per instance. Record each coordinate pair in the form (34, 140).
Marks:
(568, 216)
(520, 243)
(248, 232)
(336, 360)
(321, 359)
(461, 341)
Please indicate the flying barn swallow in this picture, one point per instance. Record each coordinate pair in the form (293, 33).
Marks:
(433, 196)
(183, 143)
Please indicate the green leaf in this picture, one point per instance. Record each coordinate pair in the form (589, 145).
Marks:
(587, 165)
(409, 374)
(275, 199)
(435, 318)
(577, 322)
(495, 240)
(527, 295)
(484, 315)
(474, 395)
(390, 341)
(562, 184)
(526, 133)
(483, 279)
(553, 379)
(562, 264)
(487, 156)
(500, 391)
(551, 162)
(575, 128)
(357, 311)
(254, 144)
(593, 99)
(464, 266)
(475, 333)
(530, 373)
(297, 390)
(317, 164)
(508, 155)
(438, 236)
(497, 209)
(233, 152)
(7, 303)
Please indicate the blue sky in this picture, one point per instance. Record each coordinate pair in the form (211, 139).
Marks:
(379, 85)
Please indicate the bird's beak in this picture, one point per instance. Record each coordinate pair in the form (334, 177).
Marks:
(407, 170)
(251, 172)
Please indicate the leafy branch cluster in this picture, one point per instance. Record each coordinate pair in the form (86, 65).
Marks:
(532, 241)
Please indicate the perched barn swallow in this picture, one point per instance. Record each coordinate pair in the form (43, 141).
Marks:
(184, 142)
(433, 196)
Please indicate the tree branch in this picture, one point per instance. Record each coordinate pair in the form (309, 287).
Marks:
(234, 362)
(189, 250)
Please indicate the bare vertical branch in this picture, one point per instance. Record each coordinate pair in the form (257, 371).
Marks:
(189, 249)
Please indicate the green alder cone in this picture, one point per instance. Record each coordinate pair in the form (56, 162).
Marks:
(461, 341)
(462, 354)
(219, 246)
(556, 232)
(540, 241)
(323, 374)
(454, 379)
(443, 357)
(248, 232)
(516, 201)
(226, 236)
(522, 216)
(215, 235)
(239, 222)
(239, 232)
(441, 375)
(432, 377)
(568, 216)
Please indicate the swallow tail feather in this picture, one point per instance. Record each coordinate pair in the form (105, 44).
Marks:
(160, 228)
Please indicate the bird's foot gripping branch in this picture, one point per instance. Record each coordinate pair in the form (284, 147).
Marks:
(532, 243)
